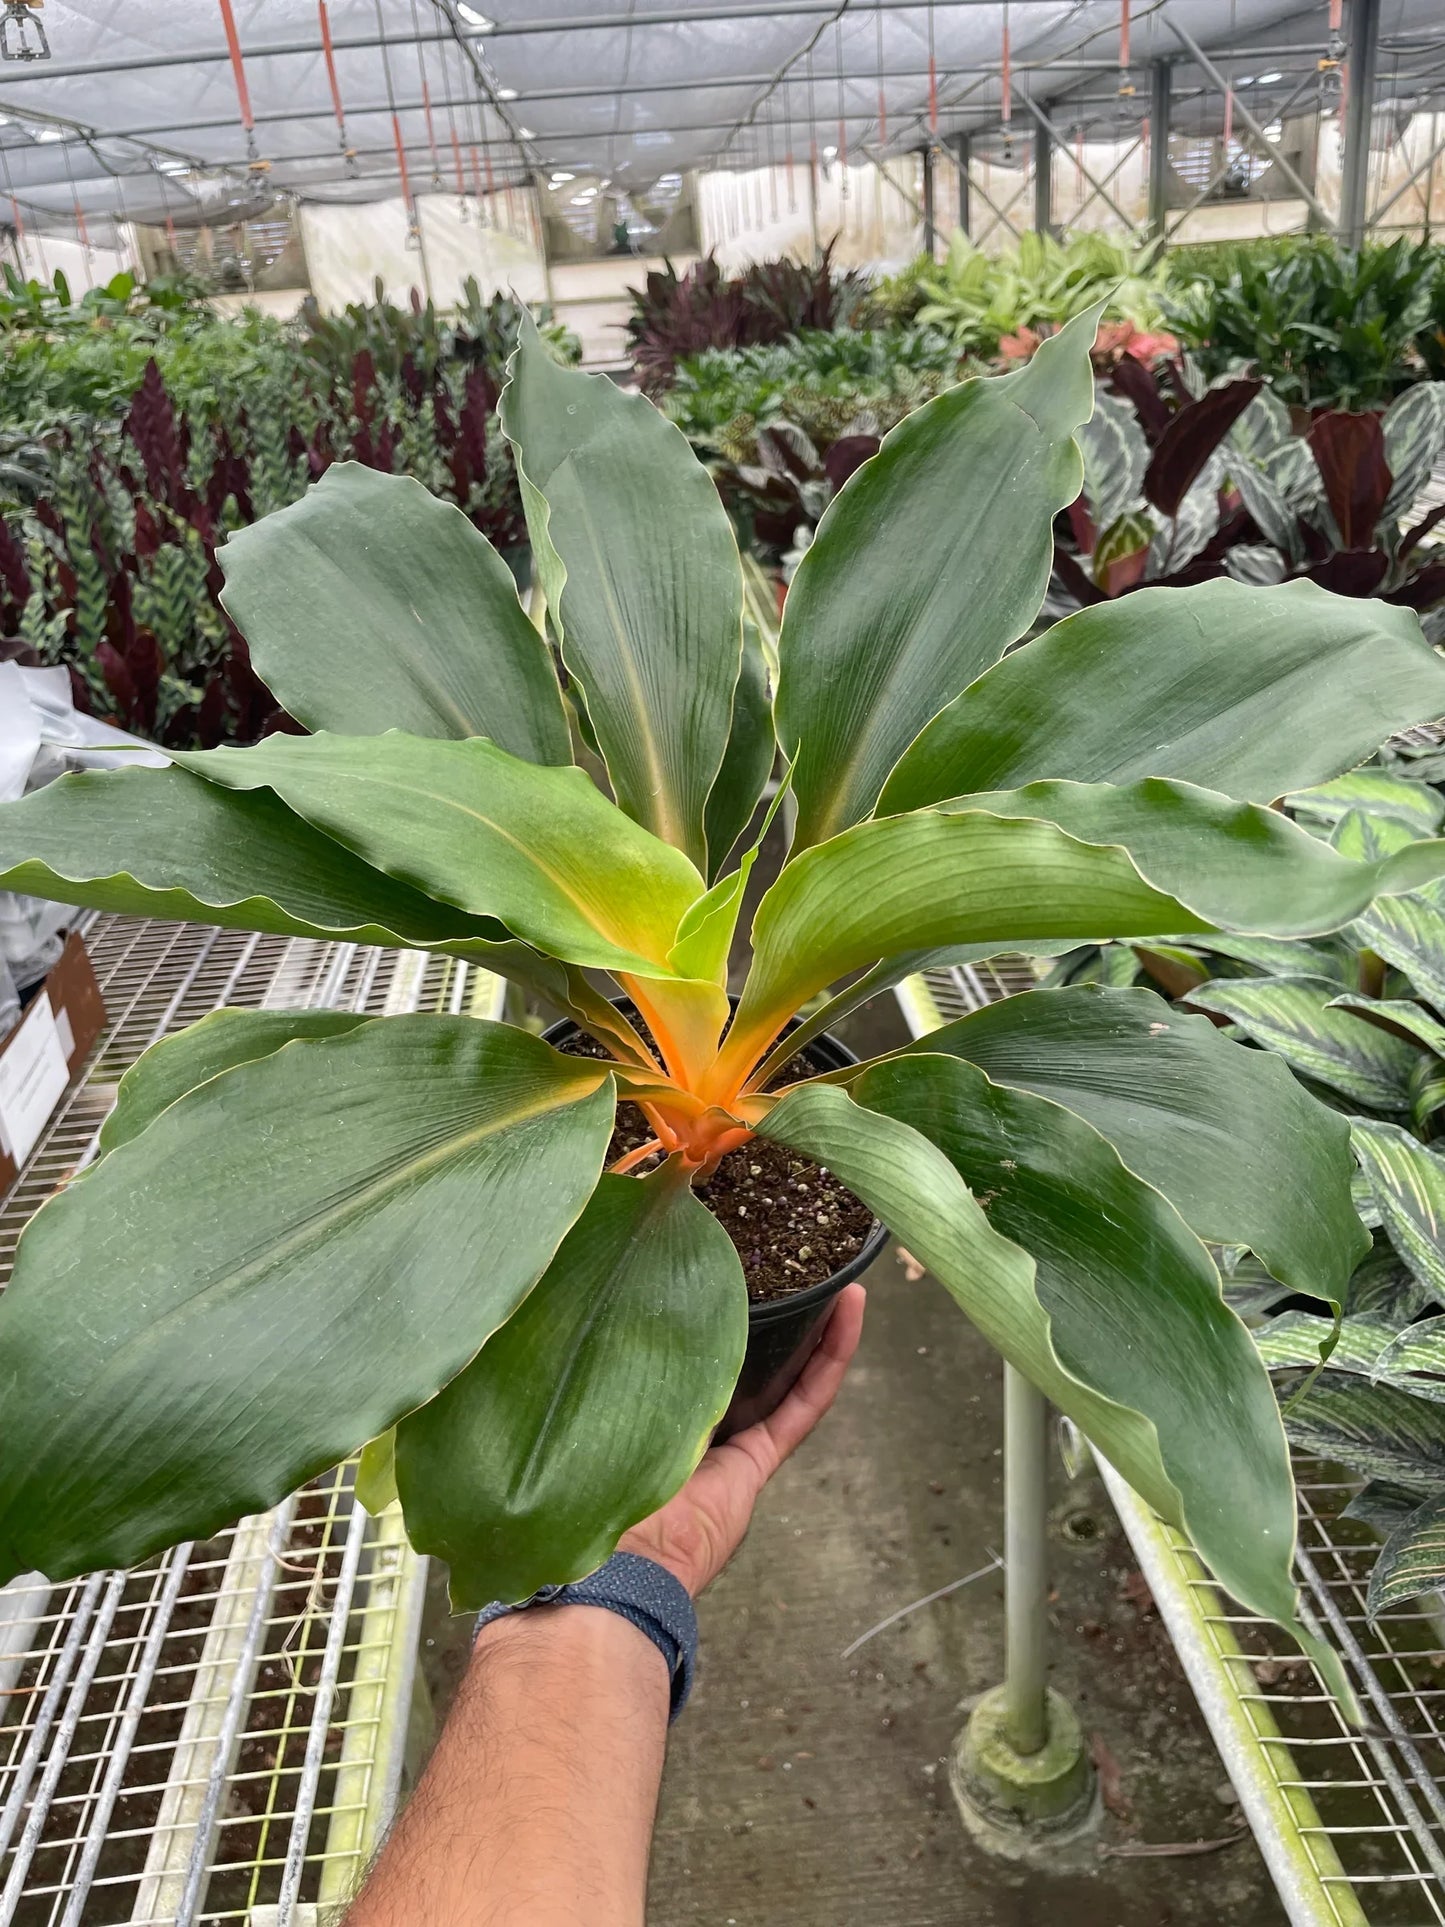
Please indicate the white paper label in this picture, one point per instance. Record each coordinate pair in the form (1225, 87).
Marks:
(33, 1077)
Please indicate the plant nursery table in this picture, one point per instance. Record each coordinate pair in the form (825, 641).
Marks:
(218, 1736)
(1351, 1825)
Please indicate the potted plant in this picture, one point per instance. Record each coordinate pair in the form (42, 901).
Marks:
(307, 1229)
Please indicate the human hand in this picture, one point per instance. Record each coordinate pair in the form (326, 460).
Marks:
(701, 1527)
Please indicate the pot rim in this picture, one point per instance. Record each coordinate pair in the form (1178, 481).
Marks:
(768, 1310)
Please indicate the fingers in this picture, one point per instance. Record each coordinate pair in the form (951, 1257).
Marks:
(815, 1391)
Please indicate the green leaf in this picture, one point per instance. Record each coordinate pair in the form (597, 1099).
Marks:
(1382, 1289)
(1376, 1430)
(1298, 1338)
(901, 886)
(1409, 932)
(1189, 683)
(935, 879)
(376, 1473)
(637, 556)
(1411, 1561)
(748, 760)
(1427, 1092)
(590, 1407)
(374, 1206)
(1095, 1290)
(1419, 806)
(1235, 864)
(1364, 835)
(1284, 956)
(1296, 1017)
(369, 605)
(542, 850)
(161, 843)
(176, 1065)
(1382, 1506)
(927, 564)
(1396, 1014)
(1239, 1148)
(1414, 1359)
(1408, 1183)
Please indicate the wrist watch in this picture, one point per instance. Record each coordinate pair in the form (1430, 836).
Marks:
(639, 1590)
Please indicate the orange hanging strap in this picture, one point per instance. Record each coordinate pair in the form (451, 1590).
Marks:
(882, 119)
(1337, 15)
(401, 162)
(331, 66)
(457, 159)
(491, 178)
(1228, 119)
(1124, 33)
(80, 226)
(238, 68)
(932, 95)
(19, 220)
(431, 136)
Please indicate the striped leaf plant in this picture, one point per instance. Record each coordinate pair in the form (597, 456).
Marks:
(310, 1231)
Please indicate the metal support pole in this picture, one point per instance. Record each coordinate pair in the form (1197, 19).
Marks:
(930, 213)
(1364, 45)
(1020, 1769)
(1043, 175)
(963, 150)
(1161, 77)
(1026, 1581)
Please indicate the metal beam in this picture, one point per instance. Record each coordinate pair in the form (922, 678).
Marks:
(1267, 147)
(962, 151)
(930, 220)
(1047, 126)
(1361, 59)
(1161, 78)
(1043, 174)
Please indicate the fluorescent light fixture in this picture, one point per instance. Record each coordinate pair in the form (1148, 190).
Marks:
(559, 177)
(1268, 80)
(526, 134)
(1275, 131)
(506, 93)
(51, 134)
(475, 19)
(830, 153)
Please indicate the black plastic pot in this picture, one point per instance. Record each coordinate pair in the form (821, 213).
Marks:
(783, 1333)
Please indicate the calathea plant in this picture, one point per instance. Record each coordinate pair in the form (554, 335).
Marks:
(307, 1229)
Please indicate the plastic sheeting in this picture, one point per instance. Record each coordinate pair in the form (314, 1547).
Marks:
(629, 90)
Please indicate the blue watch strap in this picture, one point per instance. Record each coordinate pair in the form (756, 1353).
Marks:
(639, 1590)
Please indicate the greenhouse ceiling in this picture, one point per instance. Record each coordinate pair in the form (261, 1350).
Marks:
(210, 109)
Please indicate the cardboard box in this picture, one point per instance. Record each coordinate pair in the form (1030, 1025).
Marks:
(40, 1057)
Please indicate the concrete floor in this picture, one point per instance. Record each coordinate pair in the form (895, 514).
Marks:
(806, 1789)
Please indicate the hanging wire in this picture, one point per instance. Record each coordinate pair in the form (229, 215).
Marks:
(788, 144)
(772, 170)
(348, 153)
(842, 113)
(812, 135)
(882, 98)
(463, 212)
(243, 92)
(19, 217)
(413, 219)
(933, 77)
(82, 232)
(1006, 81)
(431, 134)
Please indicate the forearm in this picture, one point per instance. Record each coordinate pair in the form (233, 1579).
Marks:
(536, 1809)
